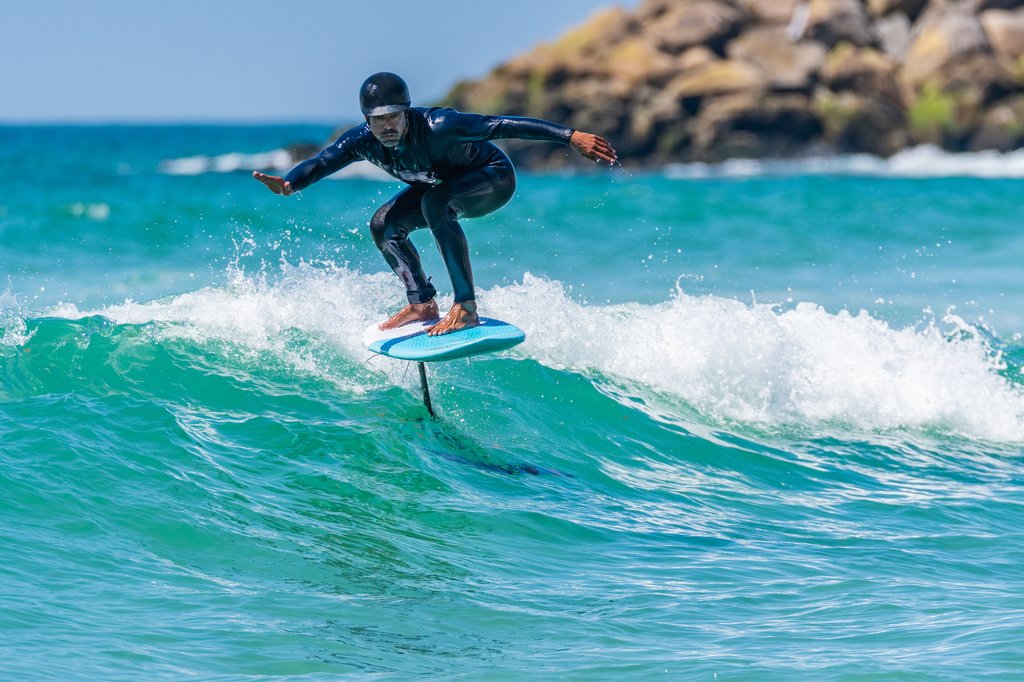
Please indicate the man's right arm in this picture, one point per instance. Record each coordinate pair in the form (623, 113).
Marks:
(332, 159)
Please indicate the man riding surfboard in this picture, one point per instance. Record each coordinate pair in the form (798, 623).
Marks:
(452, 171)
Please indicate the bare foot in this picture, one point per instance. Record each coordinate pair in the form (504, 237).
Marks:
(461, 316)
(414, 312)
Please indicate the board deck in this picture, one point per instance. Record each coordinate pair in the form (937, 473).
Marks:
(410, 342)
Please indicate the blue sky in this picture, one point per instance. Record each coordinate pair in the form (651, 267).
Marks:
(204, 60)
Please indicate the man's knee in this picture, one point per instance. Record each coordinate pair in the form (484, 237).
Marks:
(471, 196)
(379, 224)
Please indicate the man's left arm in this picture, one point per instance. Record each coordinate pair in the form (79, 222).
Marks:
(476, 127)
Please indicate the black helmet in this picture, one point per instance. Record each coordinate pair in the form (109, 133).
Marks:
(383, 93)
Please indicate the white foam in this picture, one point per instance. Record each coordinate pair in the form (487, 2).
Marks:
(925, 161)
(278, 159)
(758, 364)
(754, 364)
(256, 317)
(97, 211)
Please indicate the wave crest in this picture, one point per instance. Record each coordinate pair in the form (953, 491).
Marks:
(751, 363)
(760, 364)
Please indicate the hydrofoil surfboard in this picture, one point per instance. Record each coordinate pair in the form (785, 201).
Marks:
(411, 342)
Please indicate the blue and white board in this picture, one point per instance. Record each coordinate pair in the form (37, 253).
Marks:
(410, 341)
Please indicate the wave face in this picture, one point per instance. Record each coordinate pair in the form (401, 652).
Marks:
(760, 428)
(730, 362)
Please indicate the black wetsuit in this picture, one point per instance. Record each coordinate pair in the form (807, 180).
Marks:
(452, 172)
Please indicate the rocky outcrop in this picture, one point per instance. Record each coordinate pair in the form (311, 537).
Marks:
(1005, 31)
(705, 80)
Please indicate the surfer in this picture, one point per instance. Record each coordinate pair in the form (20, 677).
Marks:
(453, 172)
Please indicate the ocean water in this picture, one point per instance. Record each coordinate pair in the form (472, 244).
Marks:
(768, 423)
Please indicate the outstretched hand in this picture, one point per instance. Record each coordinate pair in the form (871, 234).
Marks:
(275, 184)
(594, 147)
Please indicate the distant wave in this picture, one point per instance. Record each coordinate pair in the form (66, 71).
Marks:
(918, 162)
(733, 362)
(278, 160)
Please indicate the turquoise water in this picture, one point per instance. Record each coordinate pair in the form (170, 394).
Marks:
(768, 423)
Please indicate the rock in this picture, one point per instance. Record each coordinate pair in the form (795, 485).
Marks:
(654, 111)
(749, 125)
(953, 76)
(636, 60)
(953, 103)
(770, 11)
(602, 110)
(990, 76)
(788, 65)
(943, 34)
(985, 5)
(694, 57)
(856, 122)
(893, 34)
(831, 21)
(696, 22)
(908, 8)
(860, 105)
(861, 69)
(931, 118)
(1005, 31)
(652, 10)
(1002, 128)
(716, 78)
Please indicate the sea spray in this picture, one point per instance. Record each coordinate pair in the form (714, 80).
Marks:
(767, 365)
(12, 320)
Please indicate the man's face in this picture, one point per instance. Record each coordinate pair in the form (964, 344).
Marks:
(388, 128)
